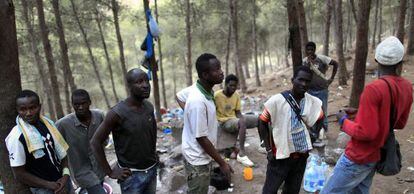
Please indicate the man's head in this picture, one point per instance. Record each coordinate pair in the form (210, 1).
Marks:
(301, 79)
(138, 83)
(28, 106)
(209, 69)
(389, 53)
(81, 102)
(310, 48)
(230, 84)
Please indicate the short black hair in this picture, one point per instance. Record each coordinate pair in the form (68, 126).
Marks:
(28, 94)
(231, 77)
(82, 93)
(304, 69)
(310, 44)
(203, 62)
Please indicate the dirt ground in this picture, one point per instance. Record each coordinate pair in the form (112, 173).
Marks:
(338, 98)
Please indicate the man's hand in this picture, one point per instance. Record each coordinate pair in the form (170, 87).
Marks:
(62, 183)
(270, 156)
(227, 171)
(340, 114)
(351, 112)
(120, 173)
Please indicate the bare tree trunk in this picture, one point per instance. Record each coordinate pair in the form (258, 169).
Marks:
(239, 67)
(188, 67)
(270, 58)
(302, 24)
(256, 62)
(228, 45)
(287, 47)
(115, 9)
(67, 72)
(11, 86)
(327, 26)
(401, 20)
(410, 44)
(91, 57)
(160, 63)
(66, 89)
(380, 22)
(294, 34)
(361, 51)
(49, 58)
(107, 58)
(246, 69)
(375, 25)
(38, 61)
(354, 12)
(339, 43)
(350, 27)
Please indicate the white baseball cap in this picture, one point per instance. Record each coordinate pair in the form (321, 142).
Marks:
(390, 51)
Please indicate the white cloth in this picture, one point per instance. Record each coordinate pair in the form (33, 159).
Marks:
(17, 155)
(199, 121)
(182, 95)
(280, 115)
(390, 51)
(323, 58)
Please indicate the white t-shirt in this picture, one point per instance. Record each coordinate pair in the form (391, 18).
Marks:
(199, 121)
(182, 95)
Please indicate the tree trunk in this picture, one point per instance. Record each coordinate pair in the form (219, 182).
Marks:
(410, 44)
(228, 46)
(339, 43)
(375, 25)
(239, 67)
(380, 22)
(256, 62)
(327, 26)
(350, 27)
(90, 54)
(361, 51)
(188, 67)
(38, 60)
(263, 62)
(115, 9)
(66, 91)
(49, 58)
(160, 64)
(302, 24)
(294, 34)
(11, 86)
(270, 58)
(354, 12)
(107, 58)
(67, 72)
(401, 20)
(153, 64)
(287, 47)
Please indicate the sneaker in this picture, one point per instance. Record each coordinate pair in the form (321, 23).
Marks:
(244, 160)
(262, 150)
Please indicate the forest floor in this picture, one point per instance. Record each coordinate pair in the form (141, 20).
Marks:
(273, 83)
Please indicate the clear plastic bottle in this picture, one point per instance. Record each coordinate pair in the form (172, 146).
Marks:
(168, 139)
(311, 175)
(322, 168)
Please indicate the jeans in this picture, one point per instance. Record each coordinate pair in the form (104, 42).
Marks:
(141, 182)
(198, 178)
(97, 189)
(323, 96)
(289, 170)
(349, 177)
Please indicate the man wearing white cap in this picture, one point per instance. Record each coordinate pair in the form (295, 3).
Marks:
(369, 130)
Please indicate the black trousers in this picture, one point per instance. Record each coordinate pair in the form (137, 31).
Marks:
(289, 170)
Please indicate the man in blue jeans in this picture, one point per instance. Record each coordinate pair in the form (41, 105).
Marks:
(134, 129)
(320, 83)
(369, 130)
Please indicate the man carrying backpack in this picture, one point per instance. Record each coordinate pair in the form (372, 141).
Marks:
(390, 93)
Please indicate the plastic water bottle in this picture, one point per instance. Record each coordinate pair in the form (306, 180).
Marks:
(311, 175)
(322, 175)
(168, 139)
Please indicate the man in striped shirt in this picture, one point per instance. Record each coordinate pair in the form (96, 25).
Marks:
(288, 141)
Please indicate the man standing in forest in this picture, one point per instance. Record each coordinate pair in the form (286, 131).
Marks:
(228, 107)
(132, 123)
(78, 128)
(320, 83)
(390, 93)
(200, 127)
(289, 114)
(37, 151)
